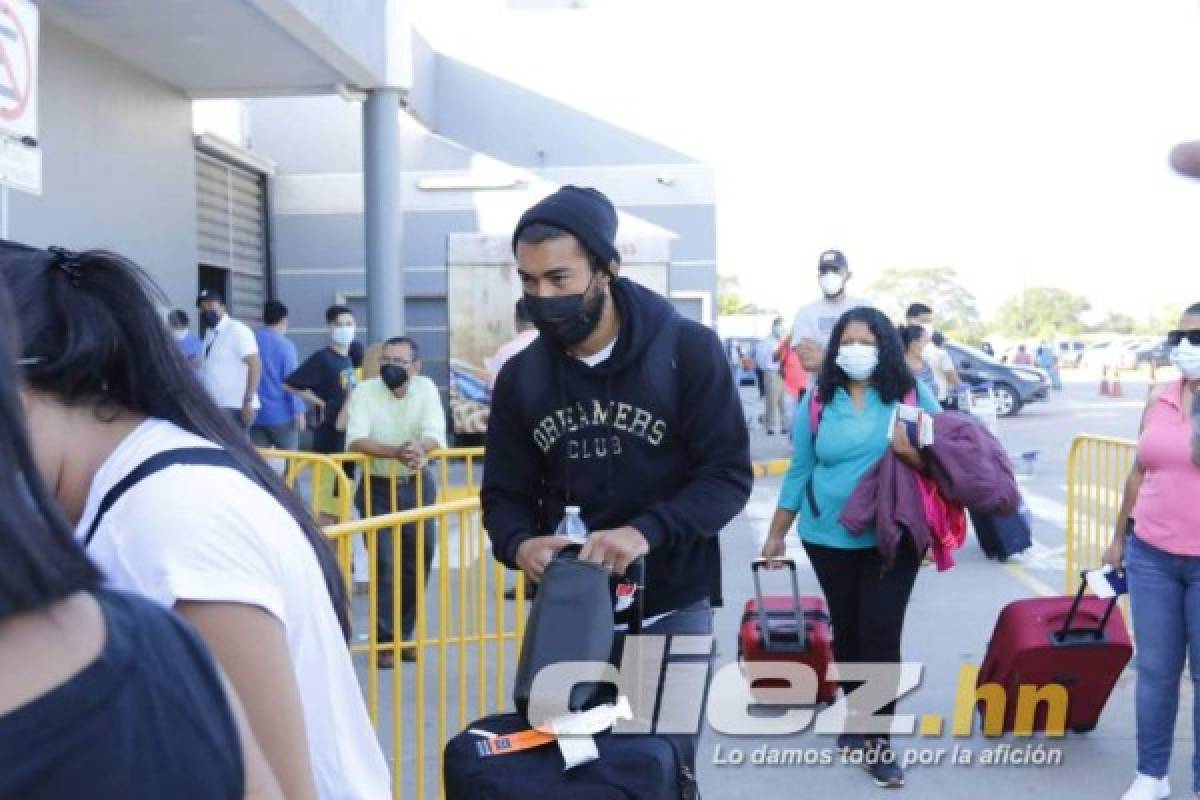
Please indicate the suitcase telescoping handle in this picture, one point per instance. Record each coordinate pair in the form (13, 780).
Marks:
(637, 574)
(797, 607)
(1098, 632)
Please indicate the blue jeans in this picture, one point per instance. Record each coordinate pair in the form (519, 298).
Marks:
(1164, 593)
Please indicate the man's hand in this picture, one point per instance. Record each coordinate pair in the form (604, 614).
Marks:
(615, 549)
(410, 455)
(534, 554)
(248, 413)
(810, 354)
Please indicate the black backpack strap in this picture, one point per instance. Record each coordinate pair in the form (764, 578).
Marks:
(660, 368)
(202, 456)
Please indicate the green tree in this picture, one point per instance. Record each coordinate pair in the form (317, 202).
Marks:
(1115, 322)
(955, 311)
(1044, 312)
(729, 296)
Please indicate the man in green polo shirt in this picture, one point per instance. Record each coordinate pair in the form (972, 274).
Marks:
(397, 419)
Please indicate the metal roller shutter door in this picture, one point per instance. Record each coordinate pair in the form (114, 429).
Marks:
(231, 231)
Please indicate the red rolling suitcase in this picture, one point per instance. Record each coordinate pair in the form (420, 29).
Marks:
(786, 627)
(1080, 643)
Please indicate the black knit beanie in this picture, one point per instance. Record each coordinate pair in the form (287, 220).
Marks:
(583, 212)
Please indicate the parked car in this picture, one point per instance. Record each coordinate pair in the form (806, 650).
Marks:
(1070, 353)
(1147, 354)
(1014, 387)
(740, 352)
(1103, 354)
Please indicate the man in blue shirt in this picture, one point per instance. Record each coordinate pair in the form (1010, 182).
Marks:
(281, 417)
(189, 343)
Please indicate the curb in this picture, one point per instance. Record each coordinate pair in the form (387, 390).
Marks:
(775, 466)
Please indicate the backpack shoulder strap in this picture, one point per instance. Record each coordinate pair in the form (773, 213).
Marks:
(205, 456)
(815, 409)
(660, 368)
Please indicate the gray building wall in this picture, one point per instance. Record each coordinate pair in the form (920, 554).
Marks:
(118, 168)
(318, 255)
(512, 123)
(354, 25)
(320, 260)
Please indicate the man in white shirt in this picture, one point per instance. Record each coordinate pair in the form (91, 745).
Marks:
(232, 368)
(944, 374)
(766, 358)
(814, 322)
(526, 333)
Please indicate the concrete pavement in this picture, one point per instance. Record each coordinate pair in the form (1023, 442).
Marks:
(948, 625)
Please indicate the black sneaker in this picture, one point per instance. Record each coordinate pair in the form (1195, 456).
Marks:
(880, 761)
(850, 742)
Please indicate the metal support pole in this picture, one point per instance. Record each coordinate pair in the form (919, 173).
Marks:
(383, 214)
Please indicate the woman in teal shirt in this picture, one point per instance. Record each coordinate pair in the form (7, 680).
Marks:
(863, 377)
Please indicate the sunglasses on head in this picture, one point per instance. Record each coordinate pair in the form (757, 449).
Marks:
(1176, 338)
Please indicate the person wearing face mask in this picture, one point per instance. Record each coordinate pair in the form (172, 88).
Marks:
(1157, 543)
(324, 381)
(232, 368)
(862, 379)
(766, 358)
(189, 343)
(397, 419)
(945, 376)
(814, 322)
(621, 407)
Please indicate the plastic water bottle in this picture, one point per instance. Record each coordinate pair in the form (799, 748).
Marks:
(572, 526)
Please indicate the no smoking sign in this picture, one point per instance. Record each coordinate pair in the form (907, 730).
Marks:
(18, 68)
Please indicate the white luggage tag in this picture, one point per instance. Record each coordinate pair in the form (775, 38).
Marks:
(574, 731)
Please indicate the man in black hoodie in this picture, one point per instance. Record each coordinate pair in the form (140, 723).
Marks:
(621, 407)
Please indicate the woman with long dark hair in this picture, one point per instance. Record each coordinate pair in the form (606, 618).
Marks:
(104, 694)
(863, 377)
(915, 339)
(171, 501)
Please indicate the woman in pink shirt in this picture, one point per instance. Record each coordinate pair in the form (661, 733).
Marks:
(1158, 539)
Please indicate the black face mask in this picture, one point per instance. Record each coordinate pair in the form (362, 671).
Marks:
(393, 376)
(569, 319)
(209, 319)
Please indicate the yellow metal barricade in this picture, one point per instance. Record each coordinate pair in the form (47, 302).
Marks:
(464, 643)
(1097, 468)
(457, 471)
(329, 489)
